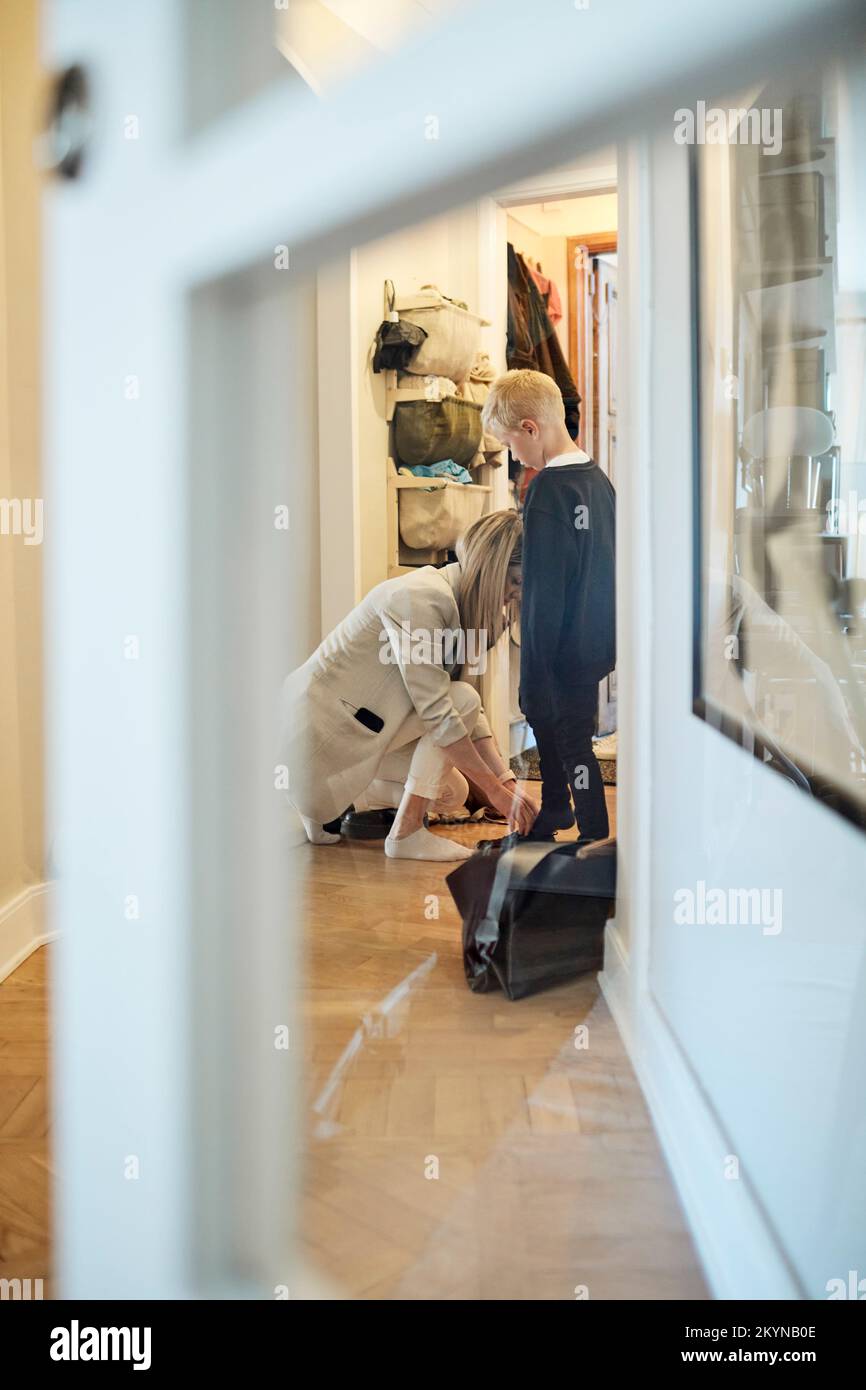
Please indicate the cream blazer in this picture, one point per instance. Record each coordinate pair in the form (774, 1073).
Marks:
(396, 653)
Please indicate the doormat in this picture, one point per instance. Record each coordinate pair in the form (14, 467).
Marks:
(605, 750)
(525, 765)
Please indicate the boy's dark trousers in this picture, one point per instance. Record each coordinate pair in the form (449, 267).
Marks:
(567, 759)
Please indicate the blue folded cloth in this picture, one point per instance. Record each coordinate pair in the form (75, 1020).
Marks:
(447, 468)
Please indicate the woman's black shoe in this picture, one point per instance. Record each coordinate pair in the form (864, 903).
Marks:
(367, 825)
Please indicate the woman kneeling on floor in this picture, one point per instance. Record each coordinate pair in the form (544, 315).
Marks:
(378, 699)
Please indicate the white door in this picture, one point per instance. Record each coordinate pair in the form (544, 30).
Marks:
(605, 425)
(171, 328)
(171, 349)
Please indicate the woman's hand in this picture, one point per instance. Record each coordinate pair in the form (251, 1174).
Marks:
(519, 809)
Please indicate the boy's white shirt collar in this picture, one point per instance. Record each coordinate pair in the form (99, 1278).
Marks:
(573, 456)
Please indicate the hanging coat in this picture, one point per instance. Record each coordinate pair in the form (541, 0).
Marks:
(532, 340)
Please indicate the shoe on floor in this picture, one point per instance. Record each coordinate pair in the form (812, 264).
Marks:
(367, 825)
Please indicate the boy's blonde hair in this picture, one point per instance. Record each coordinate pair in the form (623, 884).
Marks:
(522, 395)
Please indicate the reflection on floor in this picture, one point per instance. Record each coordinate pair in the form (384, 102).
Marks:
(460, 1146)
(25, 1171)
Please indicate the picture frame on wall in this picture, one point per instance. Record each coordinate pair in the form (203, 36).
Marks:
(779, 633)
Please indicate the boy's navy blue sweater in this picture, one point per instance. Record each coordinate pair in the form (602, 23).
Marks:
(568, 608)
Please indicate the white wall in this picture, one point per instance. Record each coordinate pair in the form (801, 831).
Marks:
(765, 1033)
(298, 376)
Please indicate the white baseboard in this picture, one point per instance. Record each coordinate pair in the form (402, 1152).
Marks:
(739, 1253)
(614, 981)
(24, 926)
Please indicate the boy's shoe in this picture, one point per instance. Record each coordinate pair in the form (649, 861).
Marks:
(584, 841)
(548, 821)
(498, 846)
(510, 841)
(544, 827)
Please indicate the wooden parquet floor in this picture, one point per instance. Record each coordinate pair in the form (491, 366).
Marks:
(459, 1146)
(456, 1147)
(25, 1140)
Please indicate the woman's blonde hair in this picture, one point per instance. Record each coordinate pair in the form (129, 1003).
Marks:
(486, 551)
(522, 395)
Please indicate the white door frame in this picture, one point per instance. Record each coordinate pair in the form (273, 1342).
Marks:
(154, 1196)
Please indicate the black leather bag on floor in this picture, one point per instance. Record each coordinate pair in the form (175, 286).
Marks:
(533, 915)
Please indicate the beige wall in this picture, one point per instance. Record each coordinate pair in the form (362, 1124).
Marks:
(21, 739)
(441, 252)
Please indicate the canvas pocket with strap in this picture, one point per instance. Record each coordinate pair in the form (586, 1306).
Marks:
(430, 431)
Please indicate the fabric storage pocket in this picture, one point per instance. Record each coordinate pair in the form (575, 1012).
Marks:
(435, 388)
(430, 431)
(453, 337)
(433, 518)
